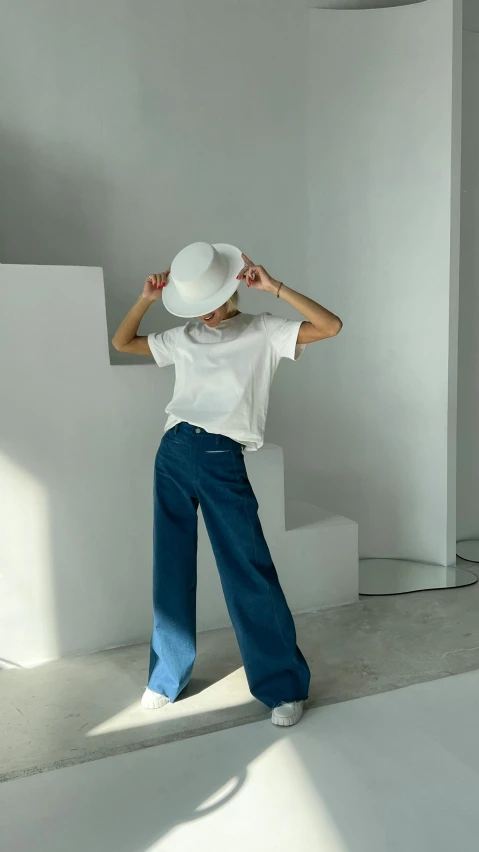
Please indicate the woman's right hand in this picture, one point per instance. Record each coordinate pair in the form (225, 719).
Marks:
(154, 284)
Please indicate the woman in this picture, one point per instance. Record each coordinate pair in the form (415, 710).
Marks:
(224, 363)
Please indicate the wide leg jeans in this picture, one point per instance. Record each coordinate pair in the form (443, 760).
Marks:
(196, 468)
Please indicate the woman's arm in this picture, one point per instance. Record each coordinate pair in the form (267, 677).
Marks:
(320, 323)
(126, 338)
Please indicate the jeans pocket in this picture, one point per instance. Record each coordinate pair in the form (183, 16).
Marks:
(170, 437)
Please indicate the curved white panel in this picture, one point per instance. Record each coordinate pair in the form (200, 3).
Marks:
(468, 381)
(383, 198)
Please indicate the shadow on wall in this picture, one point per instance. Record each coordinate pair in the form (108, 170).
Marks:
(56, 209)
(55, 206)
(48, 190)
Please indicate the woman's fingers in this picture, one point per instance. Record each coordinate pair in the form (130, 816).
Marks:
(250, 273)
(158, 280)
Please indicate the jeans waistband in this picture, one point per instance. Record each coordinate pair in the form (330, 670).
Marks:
(188, 429)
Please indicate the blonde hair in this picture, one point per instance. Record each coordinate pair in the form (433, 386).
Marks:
(232, 304)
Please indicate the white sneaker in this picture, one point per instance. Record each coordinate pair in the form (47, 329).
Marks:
(153, 700)
(287, 713)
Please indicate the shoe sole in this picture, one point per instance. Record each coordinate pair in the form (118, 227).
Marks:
(154, 705)
(286, 723)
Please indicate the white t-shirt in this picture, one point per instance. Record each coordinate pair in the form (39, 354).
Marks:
(224, 374)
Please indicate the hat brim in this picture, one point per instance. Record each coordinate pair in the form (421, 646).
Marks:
(177, 306)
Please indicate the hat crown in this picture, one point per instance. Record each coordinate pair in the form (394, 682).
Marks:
(199, 271)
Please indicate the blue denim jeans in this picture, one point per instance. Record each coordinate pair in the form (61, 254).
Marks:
(195, 468)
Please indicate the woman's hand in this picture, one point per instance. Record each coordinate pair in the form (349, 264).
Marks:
(320, 324)
(154, 286)
(257, 277)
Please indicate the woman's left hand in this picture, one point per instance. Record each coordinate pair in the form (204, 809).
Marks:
(257, 277)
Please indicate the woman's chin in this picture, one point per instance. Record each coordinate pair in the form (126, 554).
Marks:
(210, 319)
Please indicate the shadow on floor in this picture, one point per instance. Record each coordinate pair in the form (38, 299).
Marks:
(372, 775)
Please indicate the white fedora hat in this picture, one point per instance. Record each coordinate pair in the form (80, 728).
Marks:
(202, 278)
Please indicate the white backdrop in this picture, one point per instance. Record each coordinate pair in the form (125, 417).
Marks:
(129, 133)
(365, 431)
(384, 167)
(115, 154)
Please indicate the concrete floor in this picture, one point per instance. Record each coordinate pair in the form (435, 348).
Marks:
(86, 708)
(397, 772)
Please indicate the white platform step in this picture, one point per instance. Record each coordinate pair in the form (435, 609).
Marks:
(315, 551)
(317, 558)
(306, 516)
(78, 443)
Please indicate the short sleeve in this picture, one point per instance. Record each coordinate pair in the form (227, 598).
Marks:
(283, 336)
(163, 346)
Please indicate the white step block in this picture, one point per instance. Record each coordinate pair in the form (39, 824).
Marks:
(317, 558)
(315, 552)
(266, 474)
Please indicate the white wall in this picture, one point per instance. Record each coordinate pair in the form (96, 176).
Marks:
(468, 381)
(380, 172)
(115, 152)
(131, 128)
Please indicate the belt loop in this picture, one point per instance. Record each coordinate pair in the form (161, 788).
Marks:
(218, 438)
(177, 426)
